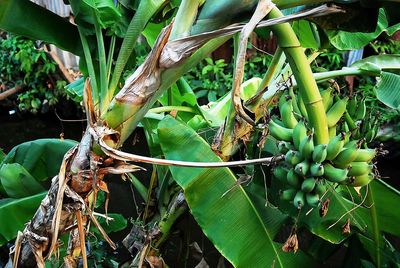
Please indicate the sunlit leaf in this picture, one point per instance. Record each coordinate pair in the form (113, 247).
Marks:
(388, 90)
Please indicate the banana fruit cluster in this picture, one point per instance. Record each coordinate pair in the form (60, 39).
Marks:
(308, 167)
(361, 124)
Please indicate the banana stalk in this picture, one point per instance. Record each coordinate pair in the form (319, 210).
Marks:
(309, 92)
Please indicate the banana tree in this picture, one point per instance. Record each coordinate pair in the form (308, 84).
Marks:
(216, 198)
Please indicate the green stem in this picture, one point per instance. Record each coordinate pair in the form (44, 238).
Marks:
(375, 226)
(178, 206)
(229, 143)
(320, 77)
(110, 56)
(276, 65)
(89, 64)
(102, 67)
(185, 18)
(169, 97)
(125, 116)
(164, 109)
(308, 88)
(183, 22)
(142, 190)
(143, 14)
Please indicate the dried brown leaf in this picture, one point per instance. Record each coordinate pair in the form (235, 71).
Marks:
(291, 244)
(324, 208)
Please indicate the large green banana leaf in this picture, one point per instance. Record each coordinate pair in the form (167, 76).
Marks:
(344, 40)
(14, 213)
(17, 182)
(232, 221)
(41, 158)
(21, 173)
(383, 217)
(25, 18)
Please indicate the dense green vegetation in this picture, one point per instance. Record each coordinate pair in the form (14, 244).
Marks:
(274, 157)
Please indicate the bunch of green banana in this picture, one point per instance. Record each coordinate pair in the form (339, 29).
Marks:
(309, 167)
(357, 108)
(369, 127)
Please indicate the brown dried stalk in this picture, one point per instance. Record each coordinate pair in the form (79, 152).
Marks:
(262, 10)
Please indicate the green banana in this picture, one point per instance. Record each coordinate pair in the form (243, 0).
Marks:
(307, 146)
(320, 152)
(320, 188)
(336, 112)
(347, 137)
(293, 157)
(334, 174)
(280, 173)
(299, 200)
(365, 125)
(344, 127)
(284, 147)
(279, 132)
(327, 98)
(317, 169)
(302, 107)
(371, 134)
(352, 106)
(279, 122)
(355, 133)
(287, 115)
(332, 132)
(365, 155)
(362, 180)
(299, 133)
(349, 121)
(335, 145)
(351, 144)
(375, 132)
(282, 99)
(361, 110)
(312, 199)
(302, 168)
(288, 194)
(347, 155)
(296, 109)
(359, 168)
(308, 185)
(293, 179)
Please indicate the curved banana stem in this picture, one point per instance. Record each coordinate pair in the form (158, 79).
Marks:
(308, 88)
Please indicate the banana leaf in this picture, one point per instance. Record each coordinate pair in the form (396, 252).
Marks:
(14, 213)
(388, 91)
(387, 67)
(117, 223)
(103, 12)
(345, 40)
(2, 155)
(231, 221)
(25, 18)
(383, 217)
(382, 62)
(17, 182)
(41, 158)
